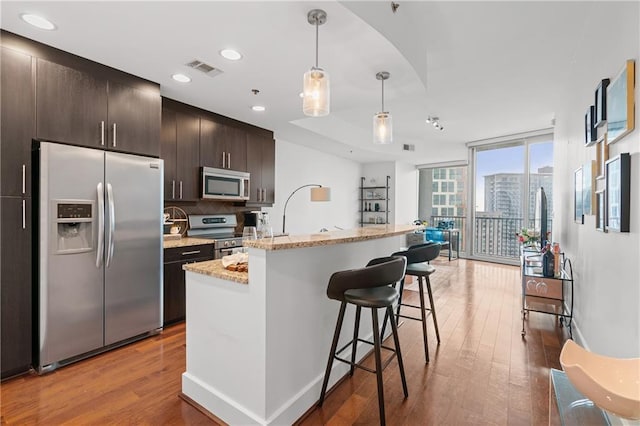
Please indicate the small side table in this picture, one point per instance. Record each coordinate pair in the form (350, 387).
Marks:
(451, 241)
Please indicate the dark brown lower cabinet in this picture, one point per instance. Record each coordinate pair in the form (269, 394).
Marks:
(15, 286)
(174, 281)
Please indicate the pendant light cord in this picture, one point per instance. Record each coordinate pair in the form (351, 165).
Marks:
(316, 42)
(382, 95)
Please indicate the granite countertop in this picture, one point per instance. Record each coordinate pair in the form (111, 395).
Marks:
(185, 242)
(330, 238)
(214, 268)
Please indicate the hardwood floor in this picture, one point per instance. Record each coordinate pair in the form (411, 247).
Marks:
(483, 373)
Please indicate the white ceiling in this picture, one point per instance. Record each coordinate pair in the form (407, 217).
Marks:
(487, 69)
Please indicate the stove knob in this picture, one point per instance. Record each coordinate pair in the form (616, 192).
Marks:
(233, 243)
(226, 244)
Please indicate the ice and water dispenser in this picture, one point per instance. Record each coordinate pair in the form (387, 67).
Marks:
(73, 226)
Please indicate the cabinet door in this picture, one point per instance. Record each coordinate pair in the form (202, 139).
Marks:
(174, 278)
(168, 152)
(222, 146)
(16, 123)
(71, 106)
(15, 287)
(174, 293)
(235, 143)
(134, 120)
(187, 159)
(254, 167)
(212, 147)
(261, 166)
(269, 170)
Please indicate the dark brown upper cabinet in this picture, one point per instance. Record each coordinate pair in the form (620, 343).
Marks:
(222, 146)
(180, 152)
(16, 123)
(261, 157)
(134, 119)
(71, 105)
(81, 108)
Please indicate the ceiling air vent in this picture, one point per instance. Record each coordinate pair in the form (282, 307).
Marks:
(408, 147)
(209, 70)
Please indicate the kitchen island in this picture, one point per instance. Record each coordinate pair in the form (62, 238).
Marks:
(256, 351)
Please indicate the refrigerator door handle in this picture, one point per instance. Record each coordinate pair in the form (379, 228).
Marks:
(100, 248)
(112, 223)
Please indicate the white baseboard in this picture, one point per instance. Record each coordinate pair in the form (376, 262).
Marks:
(231, 412)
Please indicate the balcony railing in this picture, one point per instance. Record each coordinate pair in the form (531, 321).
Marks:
(492, 236)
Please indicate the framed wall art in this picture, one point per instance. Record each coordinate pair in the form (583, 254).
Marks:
(600, 106)
(588, 186)
(621, 103)
(602, 155)
(578, 214)
(618, 193)
(600, 210)
(590, 134)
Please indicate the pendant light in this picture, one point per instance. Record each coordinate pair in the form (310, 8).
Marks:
(382, 121)
(316, 91)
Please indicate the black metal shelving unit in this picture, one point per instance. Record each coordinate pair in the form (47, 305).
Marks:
(369, 197)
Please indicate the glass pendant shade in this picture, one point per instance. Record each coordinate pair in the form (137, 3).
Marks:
(316, 93)
(382, 128)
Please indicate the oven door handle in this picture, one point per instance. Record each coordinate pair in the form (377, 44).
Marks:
(225, 251)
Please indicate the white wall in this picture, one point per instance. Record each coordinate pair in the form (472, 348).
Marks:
(606, 265)
(403, 192)
(297, 165)
(406, 196)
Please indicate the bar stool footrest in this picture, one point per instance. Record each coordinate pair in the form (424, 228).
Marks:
(414, 306)
(362, 367)
(412, 318)
(355, 364)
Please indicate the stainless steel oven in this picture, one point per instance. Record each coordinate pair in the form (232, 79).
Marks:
(219, 228)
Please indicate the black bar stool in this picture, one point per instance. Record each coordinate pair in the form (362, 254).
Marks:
(367, 287)
(418, 258)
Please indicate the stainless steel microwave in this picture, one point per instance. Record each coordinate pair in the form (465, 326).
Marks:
(223, 184)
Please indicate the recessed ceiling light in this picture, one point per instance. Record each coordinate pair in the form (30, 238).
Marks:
(230, 54)
(38, 21)
(258, 108)
(181, 78)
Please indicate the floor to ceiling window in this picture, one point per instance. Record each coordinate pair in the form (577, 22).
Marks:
(443, 197)
(505, 179)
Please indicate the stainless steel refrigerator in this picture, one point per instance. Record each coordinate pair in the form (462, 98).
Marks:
(99, 240)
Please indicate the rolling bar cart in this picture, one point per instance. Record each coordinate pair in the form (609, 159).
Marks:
(547, 295)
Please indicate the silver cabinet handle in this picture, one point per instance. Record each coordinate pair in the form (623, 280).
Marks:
(100, 248)
(114, 134)
(228, 160)
(173, 189)
(181, 190)
(24, 214)
(264, 194)
(112, 223)
(24, 178)
(259, 193)
(186, 253)
(102, 133)
(224, 160)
